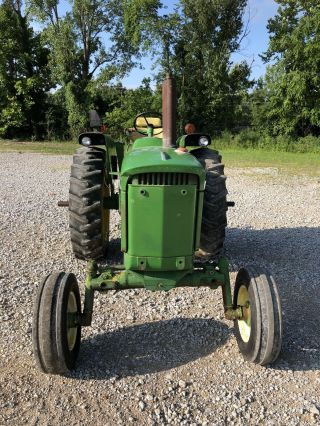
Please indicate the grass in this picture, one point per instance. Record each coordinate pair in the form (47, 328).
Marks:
(285, 162)
(62, 148)
(252, 139)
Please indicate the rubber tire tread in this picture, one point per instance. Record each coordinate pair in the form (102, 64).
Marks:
(49, 328)
(214, 215)
(35, 326)
(264, 344)
(85, 203)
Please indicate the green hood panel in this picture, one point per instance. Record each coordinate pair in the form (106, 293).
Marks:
(147, 142)
(156, 159)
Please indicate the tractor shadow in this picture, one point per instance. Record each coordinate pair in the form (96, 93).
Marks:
(292, 256)
(114, 254)
(149, 348)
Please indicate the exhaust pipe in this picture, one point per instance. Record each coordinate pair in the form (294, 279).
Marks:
(169, 110)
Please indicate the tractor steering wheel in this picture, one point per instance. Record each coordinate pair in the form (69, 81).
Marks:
(148, 117)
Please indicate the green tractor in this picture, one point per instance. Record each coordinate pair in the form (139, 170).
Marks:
(171, 194)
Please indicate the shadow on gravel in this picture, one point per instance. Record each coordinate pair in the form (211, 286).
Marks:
(149, 348)
(114, 253)
(292, 255)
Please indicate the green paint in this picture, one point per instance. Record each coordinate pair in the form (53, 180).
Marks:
(161, 223)
(147, 142)
(118, 278)
(160, 199)
(153, 263)
(223, 266)
(115, 279)
(161, 207)
(155, 159)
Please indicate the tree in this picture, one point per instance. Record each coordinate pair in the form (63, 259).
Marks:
(128, 104)
(24, 74)
(292, 83)
(56, 116)
(78, 48)
(198, 52)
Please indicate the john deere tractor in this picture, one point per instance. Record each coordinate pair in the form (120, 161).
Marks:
(171, 194)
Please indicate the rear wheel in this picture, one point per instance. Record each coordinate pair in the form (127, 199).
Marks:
(88, 219)
(259, 332)
(214, 217)
(56, 340)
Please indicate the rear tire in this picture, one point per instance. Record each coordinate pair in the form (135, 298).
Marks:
(214, 216)
(56, 344)
(88, 219)
(259, 333)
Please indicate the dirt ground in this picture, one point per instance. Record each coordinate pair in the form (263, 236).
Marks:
(161, 358)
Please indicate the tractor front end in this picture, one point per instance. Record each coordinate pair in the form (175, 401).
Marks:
(172, 201)
(161, 209)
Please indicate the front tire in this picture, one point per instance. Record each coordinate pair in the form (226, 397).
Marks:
(259, 332)
(56, 341)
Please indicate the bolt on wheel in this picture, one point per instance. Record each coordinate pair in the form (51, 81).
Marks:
(259, 331)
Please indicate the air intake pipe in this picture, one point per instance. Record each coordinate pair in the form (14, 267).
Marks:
(169, 110)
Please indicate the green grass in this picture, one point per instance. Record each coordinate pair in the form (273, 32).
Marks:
(64, 148)
(252, 139)
(285, 162)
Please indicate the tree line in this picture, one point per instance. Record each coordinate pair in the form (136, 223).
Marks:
(57, 63)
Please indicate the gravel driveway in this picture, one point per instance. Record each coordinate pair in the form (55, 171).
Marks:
(161, 358)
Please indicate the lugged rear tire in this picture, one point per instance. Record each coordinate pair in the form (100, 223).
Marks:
(88, 219)
(214, 216)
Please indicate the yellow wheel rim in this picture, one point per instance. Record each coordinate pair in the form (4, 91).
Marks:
(72, 331)
(245, 323)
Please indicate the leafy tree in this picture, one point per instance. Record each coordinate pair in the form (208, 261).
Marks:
(56, 117)
(257, 105)
(24, 75)
(292, 83)
(197, 50)
(130, 103)
(78, 50)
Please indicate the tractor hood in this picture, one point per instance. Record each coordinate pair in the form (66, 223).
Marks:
(156, 160)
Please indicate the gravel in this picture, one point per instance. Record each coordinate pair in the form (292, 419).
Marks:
(161, 358)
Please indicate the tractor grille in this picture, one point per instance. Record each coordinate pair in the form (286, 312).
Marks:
(164, 179)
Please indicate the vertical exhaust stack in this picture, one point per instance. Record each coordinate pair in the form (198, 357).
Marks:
(169, 110)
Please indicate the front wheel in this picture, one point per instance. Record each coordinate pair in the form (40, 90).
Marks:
(259, 332)
(55, 337)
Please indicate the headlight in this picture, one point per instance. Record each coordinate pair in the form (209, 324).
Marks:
(86, 141)
(203, 141)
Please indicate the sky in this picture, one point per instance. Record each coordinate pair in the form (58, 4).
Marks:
(256, 18)
(257, 14)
